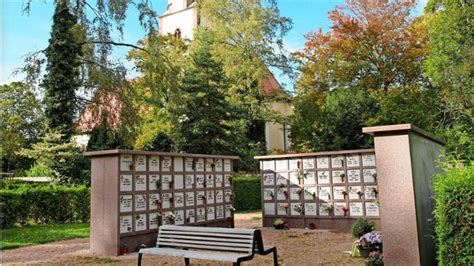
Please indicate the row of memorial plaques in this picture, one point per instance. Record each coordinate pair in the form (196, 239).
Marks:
(320, 177)
(325, 209)
(178, 164)
(325, 162)
(140, 202)
(150, 221)
(166, 182)
(321, 193)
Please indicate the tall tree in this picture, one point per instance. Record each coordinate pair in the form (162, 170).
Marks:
(62, 74)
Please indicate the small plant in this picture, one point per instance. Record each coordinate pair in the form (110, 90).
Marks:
(278, 224)
(375, 259)
(361, 227)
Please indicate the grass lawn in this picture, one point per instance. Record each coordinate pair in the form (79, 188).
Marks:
(40, 234)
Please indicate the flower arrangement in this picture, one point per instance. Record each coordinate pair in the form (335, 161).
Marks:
(299, 191)
(329, 208)
(286, 194)
(300, 175)
(171, 218)
(342, 176)
(285, 205)
(270, 193)
(345, 209)
(281, 185)
(158, 184)
(376, 192)
(344, 193)
(360, 193)
(299, 209)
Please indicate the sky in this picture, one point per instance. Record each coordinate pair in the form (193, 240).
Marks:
(23, 33)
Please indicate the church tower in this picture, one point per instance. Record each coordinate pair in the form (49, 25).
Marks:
(180, 19)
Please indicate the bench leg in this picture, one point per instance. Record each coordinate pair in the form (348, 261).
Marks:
(186, 261)
(140, 259)
(275, 257)
(236, 264)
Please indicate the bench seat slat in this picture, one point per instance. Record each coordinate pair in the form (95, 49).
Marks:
(193, 254)
(208, 229)
(207, 234)
(217, 239)
(242, 250)
(166, 241)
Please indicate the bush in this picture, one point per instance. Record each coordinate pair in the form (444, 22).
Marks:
(248, 193)
(44, 204)
(454, 196)
(361, 227)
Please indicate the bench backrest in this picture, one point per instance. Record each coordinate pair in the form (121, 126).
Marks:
(207, 238)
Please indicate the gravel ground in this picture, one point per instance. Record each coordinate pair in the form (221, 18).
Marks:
(295, 247)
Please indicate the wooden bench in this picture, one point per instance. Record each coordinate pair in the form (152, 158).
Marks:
(209, 243)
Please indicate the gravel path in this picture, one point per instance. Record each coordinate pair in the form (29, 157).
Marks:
(295, 247)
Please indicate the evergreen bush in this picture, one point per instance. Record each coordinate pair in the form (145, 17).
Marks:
(361, 227)
(248, 193)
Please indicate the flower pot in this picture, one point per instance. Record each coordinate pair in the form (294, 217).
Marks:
(365, 251)
(279, 226)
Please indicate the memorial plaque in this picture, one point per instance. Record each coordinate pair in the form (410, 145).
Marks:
(140, 202)
(269, 194)
(209, 165)
(126, 203)
(282, 193)
(218, 165)
(297, 209)
(324, 193)
(227, 165)
(140, 163)
(268, 179)
(369, 175)
(211, 213)
(220, 212)
(154, 182)
(140, 182)
(200, 215)
(339, 208)
(281, 165)
(210, 197)
(310, 209)
(178, 200)
(126, 162)
(219, 196)
(324, 209)
(268, 165)
(166, 180)
(189, 164)
(368, 159)
(282, 179)
(200, 198)
(371, 209)
(190, 216)
(353, 176)
(337, 161)
(338, 176)
(371, 192)
(153, 222)
(294, 178)
(269, 208)
(282, 208)
(295, 164)
(228, 195)
(310, 178)
(140, 222)
(166, 200)
(200, 181)
(200, 165)
(309, 193)
(189, 181)
(228, 211)
(323, 177)
(353, 160)
(322, 162)
(166, 164)
(125, 224)
(209, 181)
(126, 182)
(308, 163)
(154, 163)
(219, 180)
(295, 193)
(179, 220)
(153, 201)
(339, 193)
(178, 182)
(190, 199)
(178, 164)
(227, 180)
(356, 208)
(355, 192)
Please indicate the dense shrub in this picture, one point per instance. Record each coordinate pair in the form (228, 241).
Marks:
(361, 227)
(454, 195)
(44, 204)
(247, 193)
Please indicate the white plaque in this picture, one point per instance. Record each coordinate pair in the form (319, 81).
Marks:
(297, 209)
(190, 216)
(322, 162)
(154, 182)
(281, 165)
(228, 211)
(200, 197)
(228, 195)
(166, 164)
(356, 208)
(282, 208)
(220, 212)
(310, 209)
(337, 161)
(211, 213)
(339, 192)
(125, 224)
(295, 193)
(178, 164)
(190, 199)
(309, 193)
(154, 163)
(179, 217)
(227, 165)
(209, 181)
(227, 180)
(269, 208)
(339, 208)
(353, 160)
(308, 163)
(282, 193)
(178, 182)
(166, 180)
(153, 201)
(338, 176)
(189, 164)
(140, 163)
(310, 178)
(324, 209)
(140, 182)
(200, 165)
(268, 179)
(368, 159)
(166, 200)
(268, 165)
(126, 162)
(323, 177)
(126, 203)
(200, 181)
(371, 192)
(189, 181)
(354, 192)
(219, 180)
(371, 209)
(140, 202)
(178, 200)
(353, 176)
(324, 193)
(140, 222)
(268, 194)
(295, 164)
(209, 165)
(218, 165)
(126, 182)
(282, 179)
(369, 175)
(210, 197)
(219, 196)
(153, 222)
(200, 215)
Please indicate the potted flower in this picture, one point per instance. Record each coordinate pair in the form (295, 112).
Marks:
(299, 209)
(329, 208)
(342, 176)
(345, 209)
(360, 193)
(278, 224)
(285, 205)
(344, 193)
(171, 218)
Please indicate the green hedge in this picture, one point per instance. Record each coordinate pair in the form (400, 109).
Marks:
(44, 204)
(454, 195)
(247, 193)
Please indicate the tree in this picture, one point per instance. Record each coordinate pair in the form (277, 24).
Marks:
(61, 80)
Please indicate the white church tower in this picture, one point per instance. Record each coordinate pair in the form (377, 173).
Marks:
(180, 19)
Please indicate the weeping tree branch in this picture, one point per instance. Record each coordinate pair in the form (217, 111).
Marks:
(116, 44)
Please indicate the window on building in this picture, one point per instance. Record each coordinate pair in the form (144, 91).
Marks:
(177, 33)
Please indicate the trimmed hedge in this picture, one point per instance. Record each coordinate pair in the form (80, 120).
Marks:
(44, 204)
(247, 193)
(454, 195)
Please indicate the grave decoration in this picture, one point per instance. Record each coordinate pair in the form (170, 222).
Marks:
(327, 190)
(134, 192)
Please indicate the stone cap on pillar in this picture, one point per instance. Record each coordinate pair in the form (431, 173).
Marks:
(400, 129)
